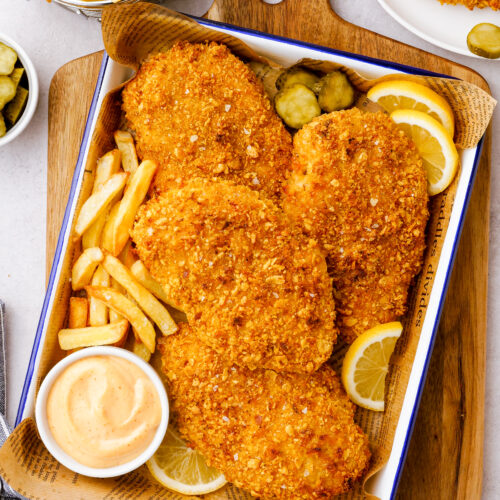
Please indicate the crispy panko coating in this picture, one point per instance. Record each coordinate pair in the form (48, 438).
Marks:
(287, 436)
(360, 189)
(254, 287)
(472, 4)
(199, 111)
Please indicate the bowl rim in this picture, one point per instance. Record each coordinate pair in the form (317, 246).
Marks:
(33, 89)
(64, 458)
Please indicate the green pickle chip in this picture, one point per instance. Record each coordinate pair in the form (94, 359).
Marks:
(16, 75)
(7, 90)
(8, 58)
(335, 92)
(484, 40)
(296, 105)
(3, 128)
(294, 75)
(15, 107)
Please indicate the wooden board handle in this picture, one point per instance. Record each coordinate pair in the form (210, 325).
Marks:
(296, 18)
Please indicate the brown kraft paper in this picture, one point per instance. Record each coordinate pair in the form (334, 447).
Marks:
(131, 33)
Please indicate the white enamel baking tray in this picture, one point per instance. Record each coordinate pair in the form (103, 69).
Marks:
(287, 52)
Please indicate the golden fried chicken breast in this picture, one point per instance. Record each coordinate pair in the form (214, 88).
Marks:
(252, 285)
(358, 186)
(277, 435)
(199, 111)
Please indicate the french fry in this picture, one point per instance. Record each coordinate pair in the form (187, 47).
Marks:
(143, 276)
(107, 165)
(113, 315)
(123, 340)
(133, 197)
(78, 312)
(74, 338)
(126, 255)
(98, 202)
(146, 301)
(119, 303)
(141, 350)
(98, 312)
(125, 143)
(92, 236)
(108, 231)
(84, 267)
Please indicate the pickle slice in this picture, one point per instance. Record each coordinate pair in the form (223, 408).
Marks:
(260, 69)
(15, 107)
(16, 75)
(294, 75)
(335, 92)
(484, 40)
(7, 90)
(8, 58)
(3, 128)
(267, 75)
(297, 105)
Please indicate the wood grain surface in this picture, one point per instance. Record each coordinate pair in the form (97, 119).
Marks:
(446, 453)
(70, 95)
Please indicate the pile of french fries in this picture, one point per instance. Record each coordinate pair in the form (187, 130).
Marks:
(120, 292)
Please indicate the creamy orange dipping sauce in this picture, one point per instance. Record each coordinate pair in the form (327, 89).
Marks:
(103, 411)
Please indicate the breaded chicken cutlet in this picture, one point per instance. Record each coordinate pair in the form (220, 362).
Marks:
(277, 435)
(199, 111)
(252, 285)
(358, 187)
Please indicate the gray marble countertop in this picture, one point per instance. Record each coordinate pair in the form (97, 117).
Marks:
(53, 36)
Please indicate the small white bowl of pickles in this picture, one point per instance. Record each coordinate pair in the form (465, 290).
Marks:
(18, 89)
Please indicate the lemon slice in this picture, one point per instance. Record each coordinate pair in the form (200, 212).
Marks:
(402, 94)
(182, 469)
(366, 364)
(434, 144)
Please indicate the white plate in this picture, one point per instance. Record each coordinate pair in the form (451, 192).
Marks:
(286, 51)
(446, 25)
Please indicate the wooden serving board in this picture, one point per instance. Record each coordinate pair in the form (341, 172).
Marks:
(446, 452)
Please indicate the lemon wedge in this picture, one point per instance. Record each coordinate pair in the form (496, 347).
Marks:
(182, 469)
(366, 365)
(434, 144)
(403, 94)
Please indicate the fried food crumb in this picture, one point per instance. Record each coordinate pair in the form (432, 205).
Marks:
(472, 4)
(254, 428)
(253, 286)
(358, 187)
(199, 111)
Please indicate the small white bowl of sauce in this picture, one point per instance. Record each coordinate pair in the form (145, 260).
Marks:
(102, 411)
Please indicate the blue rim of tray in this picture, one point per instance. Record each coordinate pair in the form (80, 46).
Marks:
(60, 243)
(319, 48)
